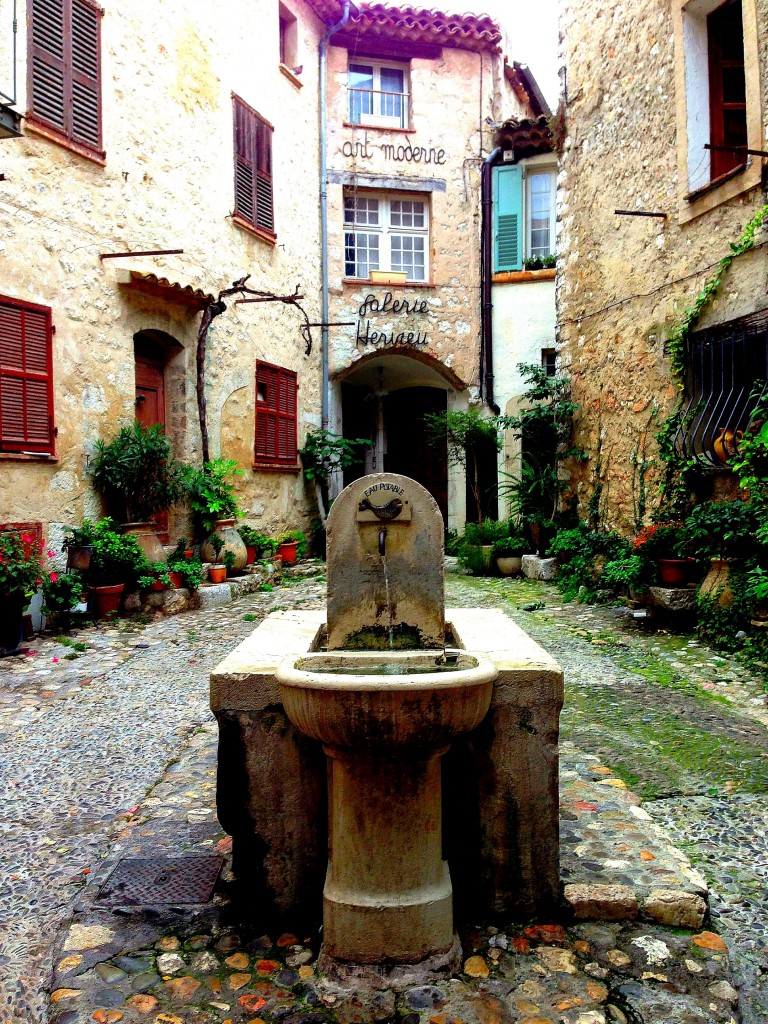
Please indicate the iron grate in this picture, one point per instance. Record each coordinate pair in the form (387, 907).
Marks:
(155, 880)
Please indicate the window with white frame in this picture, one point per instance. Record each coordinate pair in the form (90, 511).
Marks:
(524, 215)
(386, 232)
(378, 94)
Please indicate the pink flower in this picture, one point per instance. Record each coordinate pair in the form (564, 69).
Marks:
(51, 554)
(54, 660)
(54, 577)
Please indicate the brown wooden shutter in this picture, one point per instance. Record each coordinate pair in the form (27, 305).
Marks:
(253, 167)
(727, 87)
(65, 68)
(26, 379)
(276, 415)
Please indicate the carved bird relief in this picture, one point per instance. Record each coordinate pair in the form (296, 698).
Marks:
(391, 510)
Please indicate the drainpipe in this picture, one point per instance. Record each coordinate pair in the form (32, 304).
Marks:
(486, 276)
(332, 29)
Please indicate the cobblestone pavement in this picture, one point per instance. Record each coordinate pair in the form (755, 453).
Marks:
(112, 754)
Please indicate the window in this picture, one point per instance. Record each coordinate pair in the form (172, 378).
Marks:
(717, 81)
(726, 379)
(524, 214)
(549, 361)
(289, 53)
(386, 232)
(378, 94)
(253, 170)
(727, 87)
(276, 391)
(65, 70)
(26, 378)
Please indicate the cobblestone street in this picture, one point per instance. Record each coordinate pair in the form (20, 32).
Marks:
(109, 751)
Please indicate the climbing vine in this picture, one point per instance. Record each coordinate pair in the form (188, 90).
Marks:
(682, 474)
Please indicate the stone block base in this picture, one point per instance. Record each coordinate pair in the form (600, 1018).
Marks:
(535, 568)
(673, 599)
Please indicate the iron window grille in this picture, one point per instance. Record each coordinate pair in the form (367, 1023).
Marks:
(726, 380)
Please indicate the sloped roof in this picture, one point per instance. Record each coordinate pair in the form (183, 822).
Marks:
(528, 136)
(415, 25)
(163, 287)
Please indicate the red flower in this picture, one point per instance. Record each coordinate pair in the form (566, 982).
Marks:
(54, 576)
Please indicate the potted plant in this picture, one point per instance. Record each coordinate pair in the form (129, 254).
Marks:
(21, 572)
(629, 573)
(138, 477)
(476, 545)
(156, 578)
(184, 568)
(721, 532)
(217, 571)
(508, 552)
(254, 541)
(665, 544)
(291, 545)
(78, 545)
(214, 507)
(229, 562)
(61, 593)
(117, 561)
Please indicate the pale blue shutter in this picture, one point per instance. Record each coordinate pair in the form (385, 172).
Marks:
(507, 218)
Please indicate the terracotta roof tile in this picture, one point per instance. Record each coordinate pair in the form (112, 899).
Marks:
(414, 24)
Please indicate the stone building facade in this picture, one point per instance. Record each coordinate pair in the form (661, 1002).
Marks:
(414, 101)
(160, 158)
(647, 89)
(149, 164)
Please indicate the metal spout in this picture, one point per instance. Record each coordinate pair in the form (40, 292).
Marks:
(383, 541)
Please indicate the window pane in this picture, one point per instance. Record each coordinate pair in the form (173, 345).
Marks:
(391, 82)
(408, 254)
(361, 254)
(539, 213)
(360, 87)
(361, 211)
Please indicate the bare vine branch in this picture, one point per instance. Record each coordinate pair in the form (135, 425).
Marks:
(215, 307)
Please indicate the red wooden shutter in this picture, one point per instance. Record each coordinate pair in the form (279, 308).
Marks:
(727, 87)
(48, 68)
(253, 167)
(86, 74)
(276, 415)
(26, 379)
(65, 68)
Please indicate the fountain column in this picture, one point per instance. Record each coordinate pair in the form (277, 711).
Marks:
(388, 889)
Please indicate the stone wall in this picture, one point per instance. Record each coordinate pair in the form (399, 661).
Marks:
(167, 84)
(624, 280)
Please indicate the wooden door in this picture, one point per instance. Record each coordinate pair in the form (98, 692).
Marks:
(150, 410)
(407, 449)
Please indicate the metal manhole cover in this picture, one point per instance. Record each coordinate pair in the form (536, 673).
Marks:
(151, 880)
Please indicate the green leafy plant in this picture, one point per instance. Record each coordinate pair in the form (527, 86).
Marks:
(190, 569)
(661, 540)
(510, 547)
(757, 585)
(136, 473)
(115, 558)
(477, 537)
(722, 529)
(632, 572)
(61, 592)
(582, 554)
(325, 453)
(21, 564)
(156, 572)
(466, 435)
(228, 560)
(291, 536)
(211, 494)
(217, 543)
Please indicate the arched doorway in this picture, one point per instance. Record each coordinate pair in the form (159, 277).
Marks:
(384, 398)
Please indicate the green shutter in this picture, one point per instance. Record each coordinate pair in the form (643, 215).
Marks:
(507, 218)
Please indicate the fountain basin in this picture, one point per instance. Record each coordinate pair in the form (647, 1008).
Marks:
(356, 699)
(384, 725)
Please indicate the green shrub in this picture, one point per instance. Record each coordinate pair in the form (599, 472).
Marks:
(211, 495)
(722, 529)
(582, 554)
(115, 558)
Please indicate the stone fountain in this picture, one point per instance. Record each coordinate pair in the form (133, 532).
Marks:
(390, 759)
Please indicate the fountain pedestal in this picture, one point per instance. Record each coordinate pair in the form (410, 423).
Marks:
(385, 727)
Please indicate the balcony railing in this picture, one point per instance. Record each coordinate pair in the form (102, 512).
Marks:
(726, 380)
(379, 107)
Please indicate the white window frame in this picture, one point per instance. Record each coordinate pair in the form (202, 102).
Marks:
(539, 165)
(376, 118)
(385, 231)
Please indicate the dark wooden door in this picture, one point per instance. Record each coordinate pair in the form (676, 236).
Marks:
(150, 410)
(407, 449)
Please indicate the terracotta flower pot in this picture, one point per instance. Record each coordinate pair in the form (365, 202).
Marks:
(107, 599)
(147, 539)
(287, 552)
(716, 584)
(233, 542)
(674, 572)
(176, 579)
(251, 553)
(217, 573)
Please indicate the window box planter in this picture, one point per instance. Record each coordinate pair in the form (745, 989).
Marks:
(388, 276)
